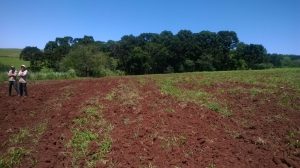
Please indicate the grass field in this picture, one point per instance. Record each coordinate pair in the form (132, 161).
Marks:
(15, 61)
(10, 52)
(44, 75)
(10, 56)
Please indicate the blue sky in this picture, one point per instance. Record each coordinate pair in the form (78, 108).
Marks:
(273, 23)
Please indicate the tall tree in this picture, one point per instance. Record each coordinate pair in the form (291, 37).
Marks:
(34, 55)
(253, 54)
(228, 41)
(139, 61)
(56, 50)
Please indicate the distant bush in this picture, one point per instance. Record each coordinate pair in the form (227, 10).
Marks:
(3, 76)
(87, 61)
(49, 74)
(4, 67)
(107, 72)
(263, 66)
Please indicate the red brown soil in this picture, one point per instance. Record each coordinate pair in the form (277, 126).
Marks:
(156, 130)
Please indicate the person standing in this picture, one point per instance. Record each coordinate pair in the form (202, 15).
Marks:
(22, 81)
(12, 76)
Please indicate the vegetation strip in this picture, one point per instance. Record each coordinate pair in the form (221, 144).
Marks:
(91, 139)
(126, 94)
(17, 150)
(168, 86)
(17, 147)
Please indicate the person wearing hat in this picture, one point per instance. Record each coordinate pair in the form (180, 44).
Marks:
(12, 74)
(22, 80)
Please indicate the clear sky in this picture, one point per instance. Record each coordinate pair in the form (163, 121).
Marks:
(272, 23)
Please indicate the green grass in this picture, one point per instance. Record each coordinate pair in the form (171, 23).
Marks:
(90, 128)
(126, 94)
(263, 81)
(168, 86)
(46, 74)
(34, 76)
(10, 52)
(15, 61)
(23, 134)
(13, 157)
(110, 96)
(38, 131)
(81, 140)
(219, 109)
(16, 150)
(270, 78)
(292, 138)
(91, 110)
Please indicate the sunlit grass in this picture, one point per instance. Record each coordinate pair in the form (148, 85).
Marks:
(13, 157)
(10, 52)
(168, 87)
(23, 134)
(13, 61)
(90, 128)
(262, 81)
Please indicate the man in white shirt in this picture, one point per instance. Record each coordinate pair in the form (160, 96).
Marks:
(22, 80)
(12, 74)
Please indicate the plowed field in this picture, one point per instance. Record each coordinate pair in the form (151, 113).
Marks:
(220, 119)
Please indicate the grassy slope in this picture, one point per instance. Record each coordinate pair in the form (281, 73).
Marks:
(10, 56)
(270, 77)
(13, 61)
(272, 80)
(10, 52)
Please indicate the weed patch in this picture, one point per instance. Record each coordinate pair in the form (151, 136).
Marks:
(289, 100)
(173, 141)
(19, 137)
(91, 136)
(168, 87)
(292, 138)
(16, 151)
(126, 94)
(38, 131)
(13, 157)
(211, 165)
(169, 110)
(219, 109)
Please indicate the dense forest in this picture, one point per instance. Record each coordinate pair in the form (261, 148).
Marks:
(154, 53)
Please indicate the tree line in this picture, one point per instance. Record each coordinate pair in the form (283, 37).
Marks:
(150, 53)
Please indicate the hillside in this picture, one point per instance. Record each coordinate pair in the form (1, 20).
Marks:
(10, 52)
(209, 119)
(10, 56)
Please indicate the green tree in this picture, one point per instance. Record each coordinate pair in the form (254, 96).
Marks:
(86, 40)
(139, 61)
(228, 41)
(87, 60)
(253, 54)
(286, 62)
(159, 57)
(34, 55)
(56, 50)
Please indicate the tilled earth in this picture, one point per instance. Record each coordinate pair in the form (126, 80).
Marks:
(152, 129)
